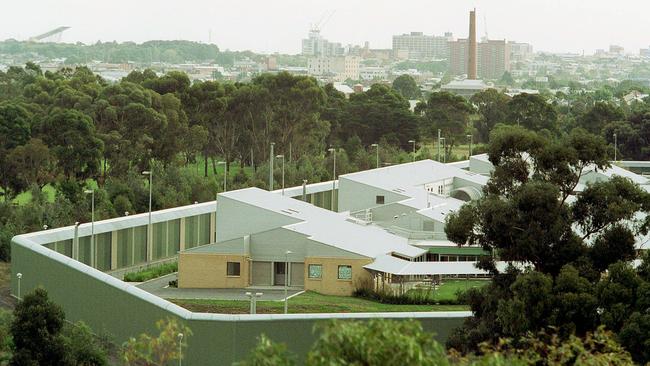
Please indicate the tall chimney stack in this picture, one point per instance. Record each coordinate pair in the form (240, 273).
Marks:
(471, 62)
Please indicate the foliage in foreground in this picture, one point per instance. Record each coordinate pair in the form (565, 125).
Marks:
(40, 336)
(149, 350)
(396, 343)
(151, 272)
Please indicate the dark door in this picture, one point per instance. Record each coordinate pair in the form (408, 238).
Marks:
(279, 271)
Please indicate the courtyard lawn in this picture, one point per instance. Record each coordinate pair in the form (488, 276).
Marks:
(449, 288)
(309, 302)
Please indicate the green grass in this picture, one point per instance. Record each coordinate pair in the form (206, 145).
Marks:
(197, 168)
(449, 289)
(151, 272)
(309, 302)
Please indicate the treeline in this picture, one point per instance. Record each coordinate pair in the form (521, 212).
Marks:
(114, 52)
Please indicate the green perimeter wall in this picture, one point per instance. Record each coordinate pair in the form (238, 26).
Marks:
(128, 246)
(112, 307)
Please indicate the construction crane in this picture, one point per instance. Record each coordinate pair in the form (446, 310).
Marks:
(322, 21)
(53, 34)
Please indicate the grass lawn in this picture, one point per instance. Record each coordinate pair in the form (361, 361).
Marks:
(449, 288)
(309, 302)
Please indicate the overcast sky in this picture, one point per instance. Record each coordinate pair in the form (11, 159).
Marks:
(278, 25)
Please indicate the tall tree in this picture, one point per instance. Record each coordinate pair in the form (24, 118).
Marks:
(492, 105)
(406, 85)
(533, 112)
(74, 142)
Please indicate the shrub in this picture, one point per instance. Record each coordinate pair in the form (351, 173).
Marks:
(151, 273)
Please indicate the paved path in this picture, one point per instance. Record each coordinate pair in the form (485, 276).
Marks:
(159, 287)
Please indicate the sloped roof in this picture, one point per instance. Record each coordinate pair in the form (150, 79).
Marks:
(328, 227)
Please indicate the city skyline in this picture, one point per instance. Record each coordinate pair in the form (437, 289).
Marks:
(554, 26)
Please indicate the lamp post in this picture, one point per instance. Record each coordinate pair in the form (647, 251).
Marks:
(286, 279)
(470, 138)
(19, 276)
(149, 229)
(271, 167)
(282, 157)
(444, 152)
(92, 225)
(333, 151)
(413, 142)
(180, 349)
(75, 242)
(377, 146)
(615, 146)
(225, 173)
(438, 144)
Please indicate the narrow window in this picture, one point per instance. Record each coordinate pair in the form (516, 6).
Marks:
(379, 200)
(234, 268)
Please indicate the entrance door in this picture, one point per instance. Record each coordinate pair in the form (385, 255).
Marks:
(279, 273)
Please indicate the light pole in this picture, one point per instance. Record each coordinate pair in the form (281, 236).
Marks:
(470, 138)
(333, 151)
(286, 279)
(615, 146)
(377, 146)
(282, 157)
(92, 225)
(444, 152)
(438, 144)
(413, 142)
(19, 276)
(149, 229)
(180, 349)
(225, 173)
(271, 167)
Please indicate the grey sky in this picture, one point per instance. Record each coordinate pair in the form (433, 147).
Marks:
(278, 25)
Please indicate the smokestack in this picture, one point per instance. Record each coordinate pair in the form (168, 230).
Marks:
(471, 62)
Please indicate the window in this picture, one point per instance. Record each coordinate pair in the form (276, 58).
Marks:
(379, 200)
(315, 271)
(345, 272)
(234, 268)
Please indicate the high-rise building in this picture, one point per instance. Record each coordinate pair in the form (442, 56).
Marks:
(421, 46)
(494, 58)
(316, 45)
(458, 56)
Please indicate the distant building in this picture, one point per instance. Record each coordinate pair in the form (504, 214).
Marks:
(492, 61)
(616, 50)
(340, 68)
(271, 63)
(373, 73)
(458, 55)
(421, 46)
(465, 88)
(644, 52)
(520, 51)
(316, 45)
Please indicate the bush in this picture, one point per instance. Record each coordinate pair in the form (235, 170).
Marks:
(173, 283)
(416, 297)
(151, 273)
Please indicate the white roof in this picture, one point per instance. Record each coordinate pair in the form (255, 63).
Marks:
(328, 227)
(409, 180)
(466, 84)
(397, 266)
